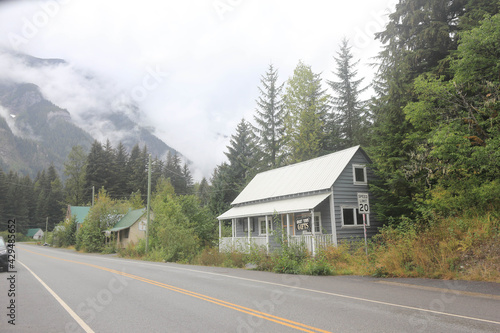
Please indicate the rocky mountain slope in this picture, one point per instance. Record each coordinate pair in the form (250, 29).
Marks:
(35, 132)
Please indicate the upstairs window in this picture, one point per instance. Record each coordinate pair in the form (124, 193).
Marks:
(359, 174)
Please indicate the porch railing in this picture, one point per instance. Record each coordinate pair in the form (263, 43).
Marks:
(320, 241)
(242, 244)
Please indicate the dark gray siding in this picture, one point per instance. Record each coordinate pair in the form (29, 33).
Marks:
(345, 194)
(326, 221)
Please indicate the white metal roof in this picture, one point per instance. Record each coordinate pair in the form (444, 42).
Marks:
(293, 205)
(317, 174)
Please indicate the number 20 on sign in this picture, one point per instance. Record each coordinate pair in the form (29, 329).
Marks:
(363, 203)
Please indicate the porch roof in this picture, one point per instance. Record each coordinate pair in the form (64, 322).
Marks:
(129, 219)
(292, 205)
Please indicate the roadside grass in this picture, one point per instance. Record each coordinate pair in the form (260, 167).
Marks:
(465, 247)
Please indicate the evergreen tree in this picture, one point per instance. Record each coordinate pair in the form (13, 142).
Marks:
(96, 170)
(55, 198)
(187, 180)
(242, 155)
(306, 106)
(269, 119)
(120, 186)
(223, 191)
(17, 206)
(156, 173)
(349, 110)
(203, 192)
(173, 171)
(27, 196)
(418, 40)
(75, 170)
(137, 170)
(110, 169)
(42, 193)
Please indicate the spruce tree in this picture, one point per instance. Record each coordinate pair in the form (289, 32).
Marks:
(349, 111)
(55, 198)
(203, 192)
(269, 119)
(120, 187)
(187, 180)
(242, 155)
(96, 170)
(173, 171)
(137, 170)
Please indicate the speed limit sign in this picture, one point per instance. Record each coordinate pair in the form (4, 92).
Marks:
(363, 203)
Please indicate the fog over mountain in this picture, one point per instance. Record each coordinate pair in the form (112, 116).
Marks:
(48, 105)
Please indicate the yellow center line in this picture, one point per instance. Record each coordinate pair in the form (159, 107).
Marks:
(256, 313)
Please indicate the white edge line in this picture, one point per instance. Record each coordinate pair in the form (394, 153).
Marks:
(72, 313)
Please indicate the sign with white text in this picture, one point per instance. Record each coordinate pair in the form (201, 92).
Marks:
(363, 203)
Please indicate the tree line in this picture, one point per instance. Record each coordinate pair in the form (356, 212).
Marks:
(431, 130)
(32, 202)
(294, 121)
(123, 175)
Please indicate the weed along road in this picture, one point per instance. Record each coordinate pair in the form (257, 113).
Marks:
(63, 291)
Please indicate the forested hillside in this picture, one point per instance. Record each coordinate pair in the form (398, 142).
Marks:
(432, 130)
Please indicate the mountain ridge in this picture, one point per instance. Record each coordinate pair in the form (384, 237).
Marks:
(35, 132)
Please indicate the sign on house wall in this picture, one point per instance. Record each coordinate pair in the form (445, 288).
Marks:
(303, 223)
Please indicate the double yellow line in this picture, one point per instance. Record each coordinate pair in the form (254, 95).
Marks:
(252, 312)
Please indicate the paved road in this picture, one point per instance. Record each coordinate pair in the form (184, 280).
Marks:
(63, 291)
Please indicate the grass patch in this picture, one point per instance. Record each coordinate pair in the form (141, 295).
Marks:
(465, 248)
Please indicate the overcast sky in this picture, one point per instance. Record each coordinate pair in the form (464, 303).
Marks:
(193, 66)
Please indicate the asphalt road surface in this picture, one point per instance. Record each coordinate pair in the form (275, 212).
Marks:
(54, 290)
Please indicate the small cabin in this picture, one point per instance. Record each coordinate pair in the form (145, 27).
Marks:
(130, 228)
(313, 202)
(35, 233)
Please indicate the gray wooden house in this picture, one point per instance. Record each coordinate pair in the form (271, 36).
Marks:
(312, 202)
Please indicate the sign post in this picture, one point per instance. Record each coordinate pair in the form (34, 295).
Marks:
(364, 208)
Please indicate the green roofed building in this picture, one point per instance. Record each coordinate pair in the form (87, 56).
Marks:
(35, 233)
(130, 228)
(79, 212)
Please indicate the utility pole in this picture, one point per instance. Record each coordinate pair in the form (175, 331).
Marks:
(148, 202)
(46, 227)
(93, 195)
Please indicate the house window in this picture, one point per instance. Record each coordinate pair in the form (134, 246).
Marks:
(317, 223)
(352, 217)
(245, 225)
(359, 174)
(262, 225)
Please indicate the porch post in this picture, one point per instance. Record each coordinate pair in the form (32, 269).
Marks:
(267, 235)
(232, 231)
(288, 229)
(332, 218)
(220, 230)
(313, 238)
(249, 232)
